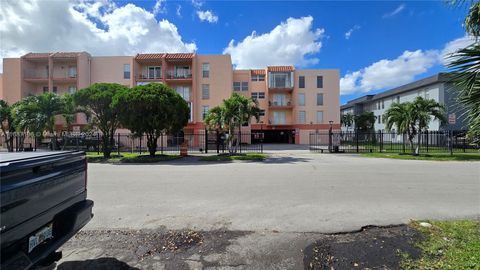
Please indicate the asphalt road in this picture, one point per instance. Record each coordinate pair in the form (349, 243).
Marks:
(287, 193)
(259, 215)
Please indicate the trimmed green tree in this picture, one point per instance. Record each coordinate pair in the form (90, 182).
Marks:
(97, 101)
(365, 122)
(152, 109)
(411, 118)
(231, 115)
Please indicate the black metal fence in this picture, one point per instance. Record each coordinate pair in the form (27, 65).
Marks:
(208, 142)
(369, 142)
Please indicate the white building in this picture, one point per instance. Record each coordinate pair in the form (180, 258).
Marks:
(435, 87)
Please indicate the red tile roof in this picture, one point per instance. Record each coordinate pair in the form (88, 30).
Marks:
(49, 54)
(65, 54)
(36, 55)
(281, 68)
(149, 56)
(258, 71)
(179, 56)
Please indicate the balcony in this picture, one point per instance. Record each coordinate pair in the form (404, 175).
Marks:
(280, 105)
(69, 75)
(149, 76)
(280, 81)
(179, 74)
(35, 75)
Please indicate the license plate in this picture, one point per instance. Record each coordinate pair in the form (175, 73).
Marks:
(39, 237)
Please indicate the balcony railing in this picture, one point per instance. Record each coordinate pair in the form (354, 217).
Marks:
(286, 104)
(64, 74)
(179, 74)
(35, 74)
(280, 80)
(149, 76)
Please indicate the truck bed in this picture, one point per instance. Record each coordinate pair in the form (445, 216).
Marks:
(38, 189)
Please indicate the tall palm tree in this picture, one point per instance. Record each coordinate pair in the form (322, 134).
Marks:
(464, 65)
(347, 120)
(465, 76)
(231, 115)
(411, 118)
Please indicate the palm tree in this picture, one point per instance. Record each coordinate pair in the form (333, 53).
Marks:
(347, 120)
(465, 70)
(231, 115)
(465, 76)
(36, 114)
(411, 118)
(472, 21)
(6, 123)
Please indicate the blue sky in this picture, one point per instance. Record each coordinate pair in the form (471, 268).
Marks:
(381, 30)
(375, 45)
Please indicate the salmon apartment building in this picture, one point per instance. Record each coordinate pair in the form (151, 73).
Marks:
(294, 102)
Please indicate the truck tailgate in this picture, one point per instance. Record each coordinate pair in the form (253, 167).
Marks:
(32, 186)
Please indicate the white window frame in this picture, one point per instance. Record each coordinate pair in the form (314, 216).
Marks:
(205, 70)
(205, 109)
(184, 91)
(279, 118)
(301, 101)
(205, 91)
(302, 117)
(319, 121)
(322, 99)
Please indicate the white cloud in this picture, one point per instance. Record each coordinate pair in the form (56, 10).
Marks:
(179, 11)
(207, 15)
(197, 3)
(101, 28)
(454, 45)
(394, 12)
(159, 7)
(389, 73)
(348, 34)
(289, 43)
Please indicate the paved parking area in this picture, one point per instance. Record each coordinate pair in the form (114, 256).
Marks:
(280, 205)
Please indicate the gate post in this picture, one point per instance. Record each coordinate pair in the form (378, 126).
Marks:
(426, 139)
(330, 133)
(451, 142)
(141, 144)
(217, 141)
(240, 140)
(356, 139)
(381, 141)
(118, 144)
(161, 143)
(261, 144)
(206, 141)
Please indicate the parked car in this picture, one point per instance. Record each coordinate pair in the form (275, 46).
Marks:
(43, 204)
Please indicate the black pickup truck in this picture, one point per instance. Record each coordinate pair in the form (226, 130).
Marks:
(43, 204)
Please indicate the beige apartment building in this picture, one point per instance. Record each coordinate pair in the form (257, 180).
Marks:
(294, 102)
